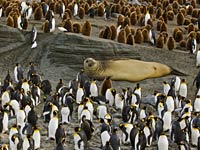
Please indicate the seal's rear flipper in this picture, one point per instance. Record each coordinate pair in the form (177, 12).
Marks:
(178, 73)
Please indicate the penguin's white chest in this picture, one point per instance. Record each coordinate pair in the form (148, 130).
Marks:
(53, 125)
(65, 114)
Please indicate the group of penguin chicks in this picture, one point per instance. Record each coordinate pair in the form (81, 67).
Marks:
(175, 117)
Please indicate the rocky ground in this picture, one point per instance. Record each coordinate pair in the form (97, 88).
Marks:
(49, 66)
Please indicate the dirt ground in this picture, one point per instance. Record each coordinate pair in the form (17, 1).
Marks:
(178, 58)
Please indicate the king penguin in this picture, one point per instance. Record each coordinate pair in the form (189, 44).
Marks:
(198, 58)
(13, 130)
(33, 37)
(80, 139)
(93, 88)
(4, 118)
(194, 135)
(163, 143)
(18, 73)
(126, 129)
(183, 88)
(197, 104)
(60, 133)
(1, 11)
(147, 17)
(110, 96)
(28, 143)
(75, 9)
(114, 140)
(36, 137)
(193, 45)
(53, 125)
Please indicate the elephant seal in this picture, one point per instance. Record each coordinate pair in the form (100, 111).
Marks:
(126, 69)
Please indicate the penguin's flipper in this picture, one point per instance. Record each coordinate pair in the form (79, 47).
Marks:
(79, 143)
(126, 136)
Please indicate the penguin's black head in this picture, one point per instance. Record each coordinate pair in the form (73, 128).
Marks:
(77, 129)
(55, 113)
(13, 138)
(115, 130)
(60, 125)
(83, 118)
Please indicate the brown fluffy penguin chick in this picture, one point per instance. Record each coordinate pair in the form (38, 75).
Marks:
(126, 21)
(195, 13)
(190, 28)
(169, 8)
(189, 10)
(69, 12)
(187, 21)
(151, 9)
(25, 23)
(46, 26)
(15, 18)
(145, 34)
(101, 33)
(133, 18)
(77, 27)
(193, 20)
(81, 12)
(175, 5)
(183, 10)
(118, 9)
(170, 15)
(180, 2)
(114, 32)
(158, 12)
(180, 18)
(165, 16)
(154, 2)
(106, 84)
(138, 37)
(165, 35)
(35, 4)
(175, 30)
(66, 16)
(130, 39)
(127, 29)
(182, 43)
(159, 23)
(67, 24)
(198, 37)
(38, 13)
(8, 10)
(160, 41)
(164, 27)
(192, 34)
(107, 33)
(100, 10)
(122, 36)
(170, 43)
(194, 3)
(120, 20)
(10, 21)
(86, 8)
(87, 28)
(178, 36)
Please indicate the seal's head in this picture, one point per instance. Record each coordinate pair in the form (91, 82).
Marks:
(90, 64)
